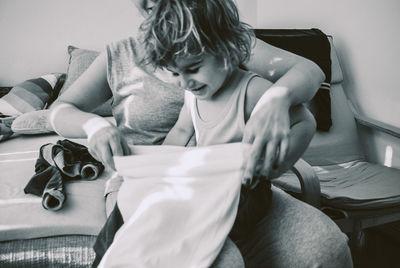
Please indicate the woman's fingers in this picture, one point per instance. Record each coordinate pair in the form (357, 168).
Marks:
(116, 146)
(106, 143)
(269, 158)
(264, 155)
(283, 150)
(107, 157)
(251, 158)
(125, 147)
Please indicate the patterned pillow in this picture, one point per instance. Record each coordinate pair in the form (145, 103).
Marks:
(30, 95)
(79, 60)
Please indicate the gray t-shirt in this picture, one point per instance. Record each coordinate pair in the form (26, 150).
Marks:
(144, 107)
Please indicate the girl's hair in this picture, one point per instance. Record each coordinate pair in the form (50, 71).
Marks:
(193, 27)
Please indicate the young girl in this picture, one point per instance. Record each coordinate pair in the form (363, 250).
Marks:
(202, 44)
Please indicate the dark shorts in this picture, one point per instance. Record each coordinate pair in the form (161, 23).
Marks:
(253, 206)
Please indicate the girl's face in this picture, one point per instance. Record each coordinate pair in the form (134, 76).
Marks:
(203, 76)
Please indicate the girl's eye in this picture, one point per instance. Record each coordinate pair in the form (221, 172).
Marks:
(192, 71)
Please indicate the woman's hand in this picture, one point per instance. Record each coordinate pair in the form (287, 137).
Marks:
(267, 131)
(105, 141)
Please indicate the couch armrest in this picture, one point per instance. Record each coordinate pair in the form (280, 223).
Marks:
(309, 182)
(375, 124)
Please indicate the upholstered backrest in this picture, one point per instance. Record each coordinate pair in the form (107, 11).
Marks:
(340, 144)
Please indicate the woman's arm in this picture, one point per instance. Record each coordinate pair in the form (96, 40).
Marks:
(295, 80)
(72, 109)
(70, 115)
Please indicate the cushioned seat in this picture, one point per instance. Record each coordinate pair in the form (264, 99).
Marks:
(347, 180)
(356, 193)
(354, 185)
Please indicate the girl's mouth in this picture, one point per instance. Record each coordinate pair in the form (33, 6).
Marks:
(198, 89)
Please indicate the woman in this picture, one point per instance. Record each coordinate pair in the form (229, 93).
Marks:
(286, 237)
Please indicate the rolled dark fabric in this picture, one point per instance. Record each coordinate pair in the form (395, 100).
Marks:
(57, 164)
(53, 199)
(89, 172)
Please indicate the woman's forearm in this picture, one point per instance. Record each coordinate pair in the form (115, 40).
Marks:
(301, 82)
(296, 79)
(297, 86)
(69, 114)
(70, 122)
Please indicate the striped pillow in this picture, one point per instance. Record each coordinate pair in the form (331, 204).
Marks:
(30, 95)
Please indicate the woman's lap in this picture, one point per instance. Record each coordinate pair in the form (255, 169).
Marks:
(294, 234)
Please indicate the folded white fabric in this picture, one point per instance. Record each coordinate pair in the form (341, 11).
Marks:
(178, 204)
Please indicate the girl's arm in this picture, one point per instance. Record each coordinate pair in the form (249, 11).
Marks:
(295, 80)
(70, 115)
(183, 130)
(301, 131)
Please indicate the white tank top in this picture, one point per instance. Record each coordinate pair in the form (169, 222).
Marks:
(227, 126)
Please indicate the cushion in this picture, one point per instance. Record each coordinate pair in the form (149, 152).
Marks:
(30, 95)
(5, 126)
(312, 44)
(35, 122)
(79, 60)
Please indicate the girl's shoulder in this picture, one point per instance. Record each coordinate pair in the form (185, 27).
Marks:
(256, 87)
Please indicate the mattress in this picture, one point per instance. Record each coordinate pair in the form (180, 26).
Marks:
(39, 237)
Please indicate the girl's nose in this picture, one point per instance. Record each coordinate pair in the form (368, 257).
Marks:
(185, 82)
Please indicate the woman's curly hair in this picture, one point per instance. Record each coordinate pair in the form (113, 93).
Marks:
(193, 27)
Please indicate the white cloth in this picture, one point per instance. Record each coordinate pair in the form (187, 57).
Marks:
(178, 204)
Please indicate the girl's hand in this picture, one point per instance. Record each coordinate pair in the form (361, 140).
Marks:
(105, 141)
(267, 131)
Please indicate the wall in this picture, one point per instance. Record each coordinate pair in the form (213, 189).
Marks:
(35, 34)
(366, 36)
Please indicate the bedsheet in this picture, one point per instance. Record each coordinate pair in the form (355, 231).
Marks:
(22, 215)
